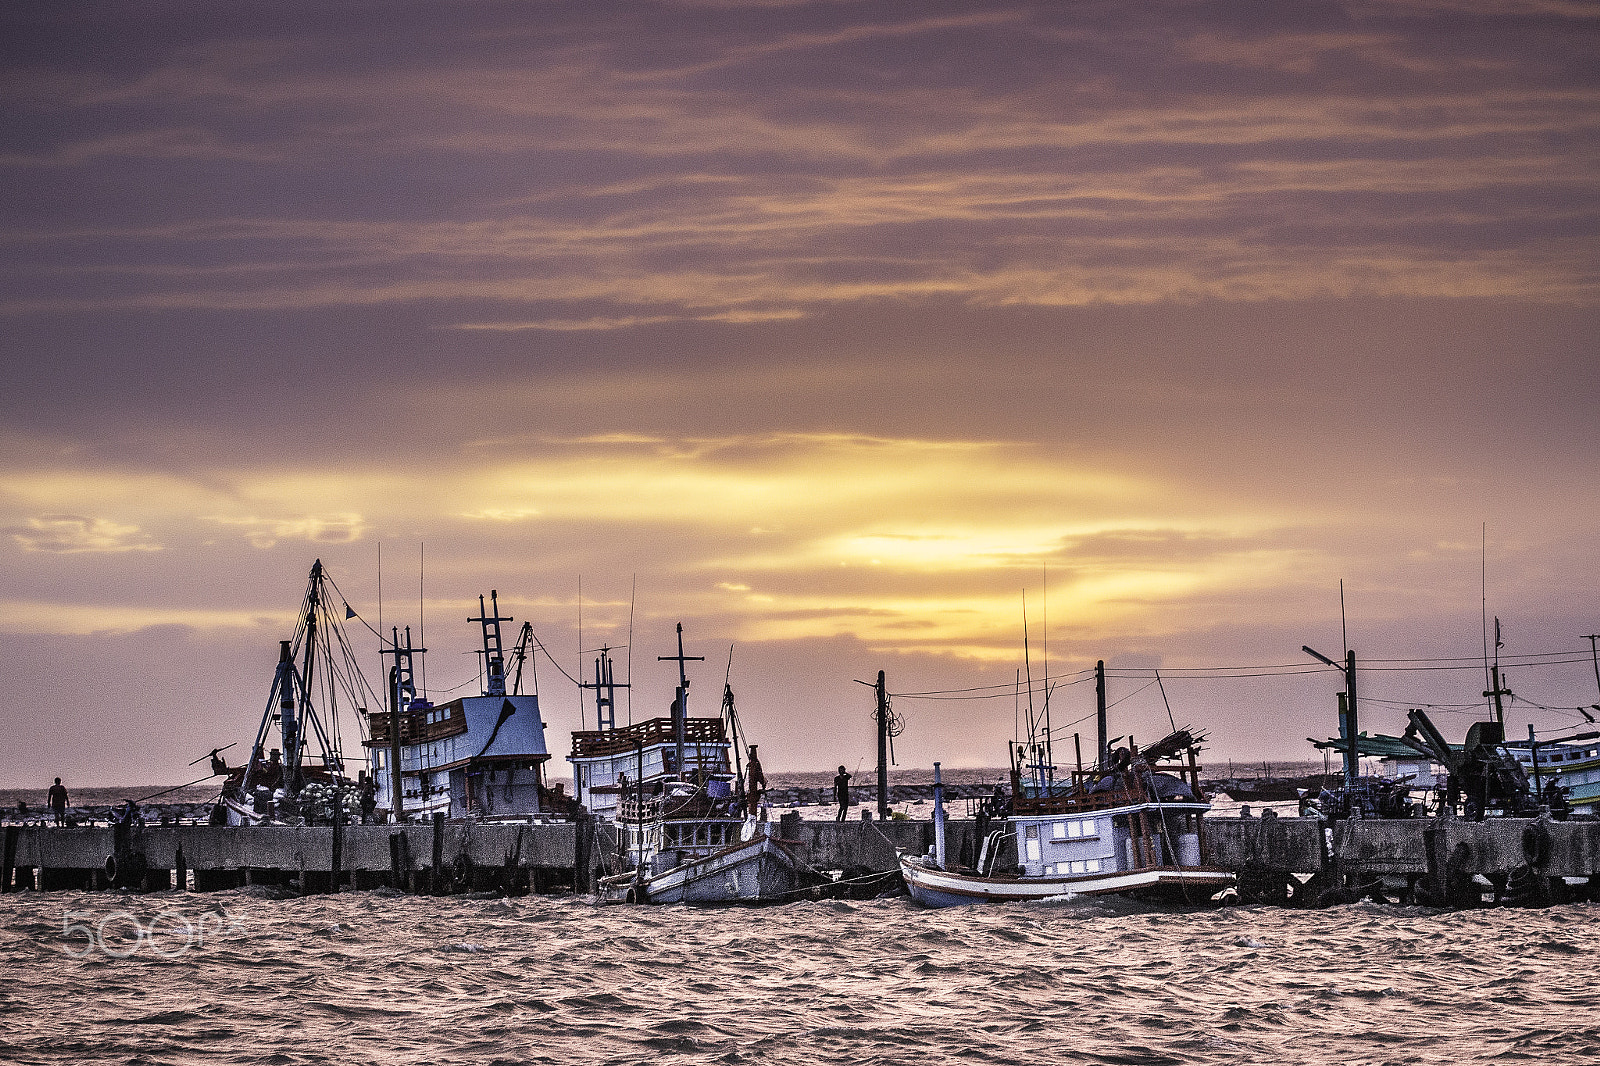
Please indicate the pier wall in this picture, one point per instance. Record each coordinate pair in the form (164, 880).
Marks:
(541, 857)
(365, 847)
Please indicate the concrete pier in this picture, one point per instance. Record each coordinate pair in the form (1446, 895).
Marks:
(1277, 859)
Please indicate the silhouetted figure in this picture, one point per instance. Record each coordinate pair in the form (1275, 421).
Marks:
(757, 782)
(219, 765)
(841, 792)
(58, 802)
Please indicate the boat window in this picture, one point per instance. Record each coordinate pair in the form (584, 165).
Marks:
(1032, 839)
(1059, 830)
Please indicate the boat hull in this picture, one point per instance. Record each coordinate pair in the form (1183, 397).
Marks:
(757, 870)
(946, 888)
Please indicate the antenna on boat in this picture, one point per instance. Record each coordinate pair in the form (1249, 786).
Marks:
(633, 596)
(1044, 623)
(1170, 721)
(1344, 629)
(422, 607)
(732, 715)
(1483, 604)
(1033, 725)
(1016, 707)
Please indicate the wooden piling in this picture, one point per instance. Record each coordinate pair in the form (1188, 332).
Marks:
(582, 853)
(436, 883)
(338, 843)
(9, 859)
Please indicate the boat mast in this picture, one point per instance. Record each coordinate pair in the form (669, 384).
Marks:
(293, 726)
(520, 654)
(494, 656)
(605, 691)
(680, 705)
(402, 689)
(731, 714)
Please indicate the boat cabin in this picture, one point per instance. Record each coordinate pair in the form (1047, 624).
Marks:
(474, 757)
(609, 764)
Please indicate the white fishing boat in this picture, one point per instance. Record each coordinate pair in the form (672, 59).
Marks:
(759, 869)
(475, 757)
(1133, 827)
(689, 826)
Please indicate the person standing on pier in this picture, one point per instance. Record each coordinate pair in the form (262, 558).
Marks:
(841, 792)
(757, 782)
(58, 801)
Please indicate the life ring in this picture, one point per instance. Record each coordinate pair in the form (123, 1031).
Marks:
(1536, 844)
(463, 869)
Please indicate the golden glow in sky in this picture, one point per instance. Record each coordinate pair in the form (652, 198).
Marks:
(830, 330)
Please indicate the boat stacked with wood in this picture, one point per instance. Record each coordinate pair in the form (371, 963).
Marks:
(685, 804)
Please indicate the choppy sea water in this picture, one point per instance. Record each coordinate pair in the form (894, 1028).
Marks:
(372, 978)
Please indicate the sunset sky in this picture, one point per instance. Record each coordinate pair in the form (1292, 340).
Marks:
(832, 328)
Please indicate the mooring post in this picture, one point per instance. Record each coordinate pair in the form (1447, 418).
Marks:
(300, 858)
(180, 871)
(582, 859)
(508, 876)
(394, 860)
(338, 841)
(437, 877)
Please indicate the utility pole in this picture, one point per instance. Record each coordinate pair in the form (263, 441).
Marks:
(882, 716)
(1100, 712)
(1347, 709)
(1594, 650)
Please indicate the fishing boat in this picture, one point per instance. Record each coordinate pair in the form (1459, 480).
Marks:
(1131, 824)
(303, 777)
(688, 829)
(475, 757)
